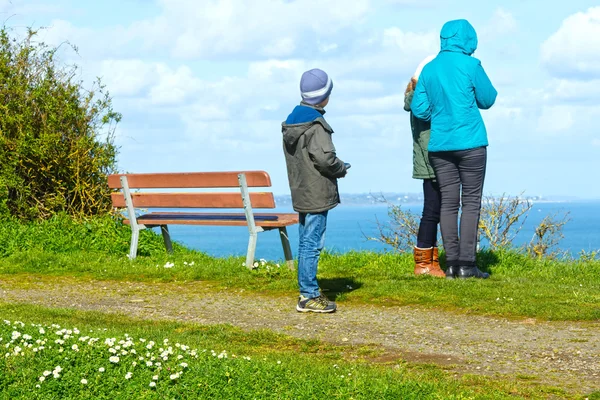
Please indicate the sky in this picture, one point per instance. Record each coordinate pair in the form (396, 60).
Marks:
(203, 85)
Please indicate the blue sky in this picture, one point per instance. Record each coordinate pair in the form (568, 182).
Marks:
(204, 84)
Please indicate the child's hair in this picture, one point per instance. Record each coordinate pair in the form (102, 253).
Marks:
(412, 84)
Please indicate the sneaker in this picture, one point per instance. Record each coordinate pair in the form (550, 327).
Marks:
(319, 304)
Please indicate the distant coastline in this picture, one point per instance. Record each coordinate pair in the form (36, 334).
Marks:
(373, 199)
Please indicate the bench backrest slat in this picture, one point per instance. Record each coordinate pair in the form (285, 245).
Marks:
(194, 200)
(190, 180)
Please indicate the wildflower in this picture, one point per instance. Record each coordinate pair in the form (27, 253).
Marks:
(101, 369)
(174, 376)
(152, 384)
(278, 362)
(84, 382)
(46, 373)
(42, 378)
(183, 365)
(169, 265)
(155, 378)
(114, 359)
(128, 375)
(149, 363)
(75, 347)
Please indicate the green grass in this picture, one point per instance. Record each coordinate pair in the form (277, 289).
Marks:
(257, 364)
(519, 286)
(97, 248)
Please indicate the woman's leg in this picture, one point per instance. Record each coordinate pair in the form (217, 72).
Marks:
(430, 219)
(426, 256)
(448, 178)
(472, 166)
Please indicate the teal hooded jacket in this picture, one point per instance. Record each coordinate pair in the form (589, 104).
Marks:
(451, 90)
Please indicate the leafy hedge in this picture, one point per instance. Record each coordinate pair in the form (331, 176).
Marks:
(56, 137)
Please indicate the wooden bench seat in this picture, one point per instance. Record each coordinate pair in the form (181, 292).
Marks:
(125, 197)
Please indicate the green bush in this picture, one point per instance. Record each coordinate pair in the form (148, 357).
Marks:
(56, 138)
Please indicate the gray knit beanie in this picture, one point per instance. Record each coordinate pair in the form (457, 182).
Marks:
(315, 86)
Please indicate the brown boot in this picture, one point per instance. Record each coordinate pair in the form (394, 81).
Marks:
(424, 262)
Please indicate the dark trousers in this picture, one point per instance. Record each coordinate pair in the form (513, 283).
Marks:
(456, 170)
(427, 236)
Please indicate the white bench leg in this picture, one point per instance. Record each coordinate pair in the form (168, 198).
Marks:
(164, 229)
(251, 250)
(135, 237)
(287, 249)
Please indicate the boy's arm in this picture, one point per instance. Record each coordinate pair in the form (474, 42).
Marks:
(420, 105)
(322, 153)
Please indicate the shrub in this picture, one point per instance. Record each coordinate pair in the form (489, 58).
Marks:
(56, 138)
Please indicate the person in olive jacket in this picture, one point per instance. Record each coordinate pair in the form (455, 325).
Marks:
(426, 251)
(313, 168)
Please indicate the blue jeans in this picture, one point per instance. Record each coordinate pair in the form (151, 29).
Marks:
(312, 241)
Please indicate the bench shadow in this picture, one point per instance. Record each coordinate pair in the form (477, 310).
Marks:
(333, 287)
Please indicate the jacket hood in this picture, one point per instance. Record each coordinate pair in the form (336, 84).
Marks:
(300, 120)
(458, 36)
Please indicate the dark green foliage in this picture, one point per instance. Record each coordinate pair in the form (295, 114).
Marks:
(56, 138)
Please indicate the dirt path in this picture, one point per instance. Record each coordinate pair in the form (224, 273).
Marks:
(563, 354)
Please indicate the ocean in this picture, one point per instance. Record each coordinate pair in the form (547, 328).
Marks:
(348, 227)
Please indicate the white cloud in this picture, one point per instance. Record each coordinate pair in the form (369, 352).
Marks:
(276, 70)
(174, 86)
(270, 27)
(127, 77)
(501, 23)
(574, 50)
(327, 47)
(555, 119)
(409, 42)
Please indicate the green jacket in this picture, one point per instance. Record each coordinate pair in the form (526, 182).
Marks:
(312, 164)
(420, 132)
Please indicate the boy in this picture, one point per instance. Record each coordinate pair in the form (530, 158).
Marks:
(313, 169)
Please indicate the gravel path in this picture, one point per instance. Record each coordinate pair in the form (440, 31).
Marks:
(563, 354)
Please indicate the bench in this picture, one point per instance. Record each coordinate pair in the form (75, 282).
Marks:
(126, 194)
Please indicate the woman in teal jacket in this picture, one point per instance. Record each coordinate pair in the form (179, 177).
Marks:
(451, 90)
